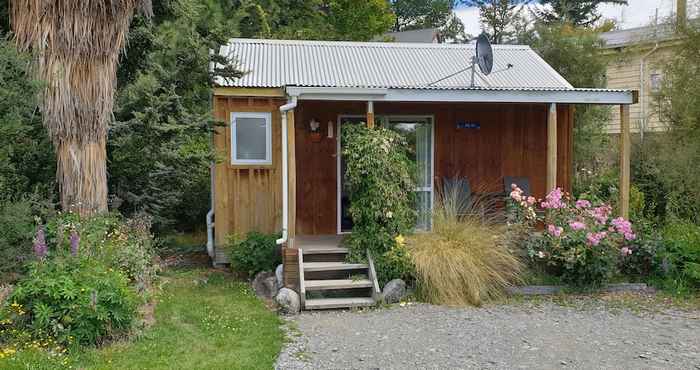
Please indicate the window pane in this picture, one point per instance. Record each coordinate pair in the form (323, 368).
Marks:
(251, 139)
(423, 208)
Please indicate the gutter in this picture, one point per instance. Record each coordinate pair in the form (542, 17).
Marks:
(291, 104)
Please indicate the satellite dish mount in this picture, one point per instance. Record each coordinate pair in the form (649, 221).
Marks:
(484, 56)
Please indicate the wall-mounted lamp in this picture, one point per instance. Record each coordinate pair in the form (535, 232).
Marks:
(315, 130)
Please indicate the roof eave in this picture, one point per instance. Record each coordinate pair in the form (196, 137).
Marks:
(569, 96)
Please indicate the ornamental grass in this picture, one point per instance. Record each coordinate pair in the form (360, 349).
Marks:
(466, 258)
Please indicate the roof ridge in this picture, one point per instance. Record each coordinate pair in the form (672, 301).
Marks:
(371, 44)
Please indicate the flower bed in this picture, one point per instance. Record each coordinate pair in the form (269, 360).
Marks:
(581, 242)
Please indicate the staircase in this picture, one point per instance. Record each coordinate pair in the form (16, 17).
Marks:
(326, 281)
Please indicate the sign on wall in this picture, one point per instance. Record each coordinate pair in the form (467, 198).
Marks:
(469, 125)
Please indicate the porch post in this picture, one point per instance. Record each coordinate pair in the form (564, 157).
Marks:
(292, 179)
(551, 182)
(370, 114)
(624, 161)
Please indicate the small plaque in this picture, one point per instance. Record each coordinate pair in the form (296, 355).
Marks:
(469, 125)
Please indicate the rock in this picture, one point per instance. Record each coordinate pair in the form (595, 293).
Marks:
(394, 291)
(288, 301)
(265, 285)
(279, 274)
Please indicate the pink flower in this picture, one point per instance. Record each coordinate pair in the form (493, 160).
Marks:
(625, 251)
(624, 227)
(553, 200)
(601, 214)
(594, 239)
(582, 203)
(577, 225)
(515, 195)
(531, 200)
(555, 230)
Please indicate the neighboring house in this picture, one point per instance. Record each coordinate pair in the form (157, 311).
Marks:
(636, 61)
(637, 58)
(425, 35)
(282, 168)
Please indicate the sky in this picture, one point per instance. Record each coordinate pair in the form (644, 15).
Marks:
(637, 13)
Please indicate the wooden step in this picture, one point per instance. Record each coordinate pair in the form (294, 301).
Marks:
(333, 266)
(325, 250)
(327, 303)
(337, 284)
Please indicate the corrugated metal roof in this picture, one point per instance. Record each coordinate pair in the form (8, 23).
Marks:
(639, 35)
(279, 63)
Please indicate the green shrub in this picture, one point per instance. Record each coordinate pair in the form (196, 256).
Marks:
(72, 300)
(381, 184)
(17, 227)
(124, 244)
(254, 253)
(467, 256)
(641, 262)
(582, 242)
(679, 261)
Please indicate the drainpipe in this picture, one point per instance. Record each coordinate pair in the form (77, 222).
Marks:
(291, 104)
(210, 214)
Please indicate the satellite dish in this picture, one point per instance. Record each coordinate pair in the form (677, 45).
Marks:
(484, 54)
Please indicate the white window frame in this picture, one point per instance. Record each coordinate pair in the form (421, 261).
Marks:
(267, 116)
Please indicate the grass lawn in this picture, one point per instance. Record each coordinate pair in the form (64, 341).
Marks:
(204, 320)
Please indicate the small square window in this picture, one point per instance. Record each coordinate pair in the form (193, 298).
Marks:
(251, 138)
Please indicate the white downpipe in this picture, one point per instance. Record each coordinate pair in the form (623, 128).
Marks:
(291, 104)
(210, 233)
(210, 214)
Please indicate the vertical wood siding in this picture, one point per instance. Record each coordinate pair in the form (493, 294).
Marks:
(246, 197)
(510, 142)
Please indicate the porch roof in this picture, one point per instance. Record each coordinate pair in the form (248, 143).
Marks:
(333, 70)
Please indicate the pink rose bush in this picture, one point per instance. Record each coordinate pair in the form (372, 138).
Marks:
(582, 242)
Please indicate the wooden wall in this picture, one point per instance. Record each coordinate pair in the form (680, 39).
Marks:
(511, 142)
(246, 197)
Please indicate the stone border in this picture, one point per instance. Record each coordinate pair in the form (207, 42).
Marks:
(532, 290)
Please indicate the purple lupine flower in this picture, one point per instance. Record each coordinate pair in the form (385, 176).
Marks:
(40, 248)
(74, 243)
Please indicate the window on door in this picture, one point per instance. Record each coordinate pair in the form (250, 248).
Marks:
(418, 131)
(419, 136)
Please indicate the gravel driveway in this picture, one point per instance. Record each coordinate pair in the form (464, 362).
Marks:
(524, 335)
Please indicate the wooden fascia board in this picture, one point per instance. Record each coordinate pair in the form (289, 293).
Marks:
(263, 92)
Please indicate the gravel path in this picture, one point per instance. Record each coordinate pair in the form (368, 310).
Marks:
(527, 335)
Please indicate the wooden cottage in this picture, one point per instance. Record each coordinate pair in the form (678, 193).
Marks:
(280, 168)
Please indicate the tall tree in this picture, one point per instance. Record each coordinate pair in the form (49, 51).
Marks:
(678, 103)
(498, 18)
(254, 22)
(417, 14)
(576, 53)
(359, 20)
(77, 44)
(577, 12)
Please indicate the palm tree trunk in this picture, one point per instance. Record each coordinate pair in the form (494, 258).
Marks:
(76, 44)
(82, 176)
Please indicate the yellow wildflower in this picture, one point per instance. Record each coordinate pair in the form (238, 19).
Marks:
(400, 240)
